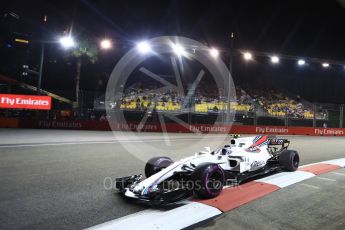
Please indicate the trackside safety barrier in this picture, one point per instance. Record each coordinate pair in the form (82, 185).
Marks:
(177, 128)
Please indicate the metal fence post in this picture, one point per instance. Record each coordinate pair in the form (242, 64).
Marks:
(314, 115)
(341, 116)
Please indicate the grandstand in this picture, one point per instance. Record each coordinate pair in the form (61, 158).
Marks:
(279, 105)
(270, 102)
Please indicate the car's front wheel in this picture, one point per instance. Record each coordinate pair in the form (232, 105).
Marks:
(208, 180)
(289, 160)
(156, 164)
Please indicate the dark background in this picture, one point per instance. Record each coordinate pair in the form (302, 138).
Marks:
(299, 28)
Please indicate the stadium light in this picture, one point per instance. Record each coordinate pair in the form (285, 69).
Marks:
(144, 47)
(325, 65)
(275, 59)
(67, 42)
(301, 62)
(214, 52)
(247, 56)
(179, 50)
(21, 40)
(106, 44)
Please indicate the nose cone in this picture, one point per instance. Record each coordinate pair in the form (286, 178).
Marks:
(138, 189)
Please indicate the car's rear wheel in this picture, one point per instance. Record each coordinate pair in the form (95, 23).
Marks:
(289, 160)
(156, 164)
(208, 180)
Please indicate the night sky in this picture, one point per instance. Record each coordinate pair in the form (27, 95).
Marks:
(299, 28)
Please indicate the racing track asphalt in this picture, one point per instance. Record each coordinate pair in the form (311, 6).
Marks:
(54, 179)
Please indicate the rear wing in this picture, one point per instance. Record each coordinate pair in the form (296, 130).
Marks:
(284, 143)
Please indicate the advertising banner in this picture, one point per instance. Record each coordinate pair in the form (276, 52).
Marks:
(174, 128)
(15, 101)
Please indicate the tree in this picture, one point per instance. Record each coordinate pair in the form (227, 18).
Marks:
(85, 52)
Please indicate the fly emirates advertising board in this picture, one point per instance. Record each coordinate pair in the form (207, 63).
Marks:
(15, 101)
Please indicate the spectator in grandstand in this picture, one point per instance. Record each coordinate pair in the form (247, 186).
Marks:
(277, 104)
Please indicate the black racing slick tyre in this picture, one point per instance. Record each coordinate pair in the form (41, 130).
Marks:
(156, 164)
(289, 160)
(208, 180)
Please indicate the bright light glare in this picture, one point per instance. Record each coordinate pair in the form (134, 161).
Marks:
(214, 52)
(106, 44)
(67, 42)
(301, 62)
(325, 65)
(144, 47)
(179, 50)
(247, 56)
(275, 59)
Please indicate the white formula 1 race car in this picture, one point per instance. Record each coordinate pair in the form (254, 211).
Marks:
(205, 173)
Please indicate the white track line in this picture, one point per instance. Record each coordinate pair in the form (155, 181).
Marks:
(93, 142)
(285, 179)
(149, 219)
(310, 186)
(340, 162)
(327, 179)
